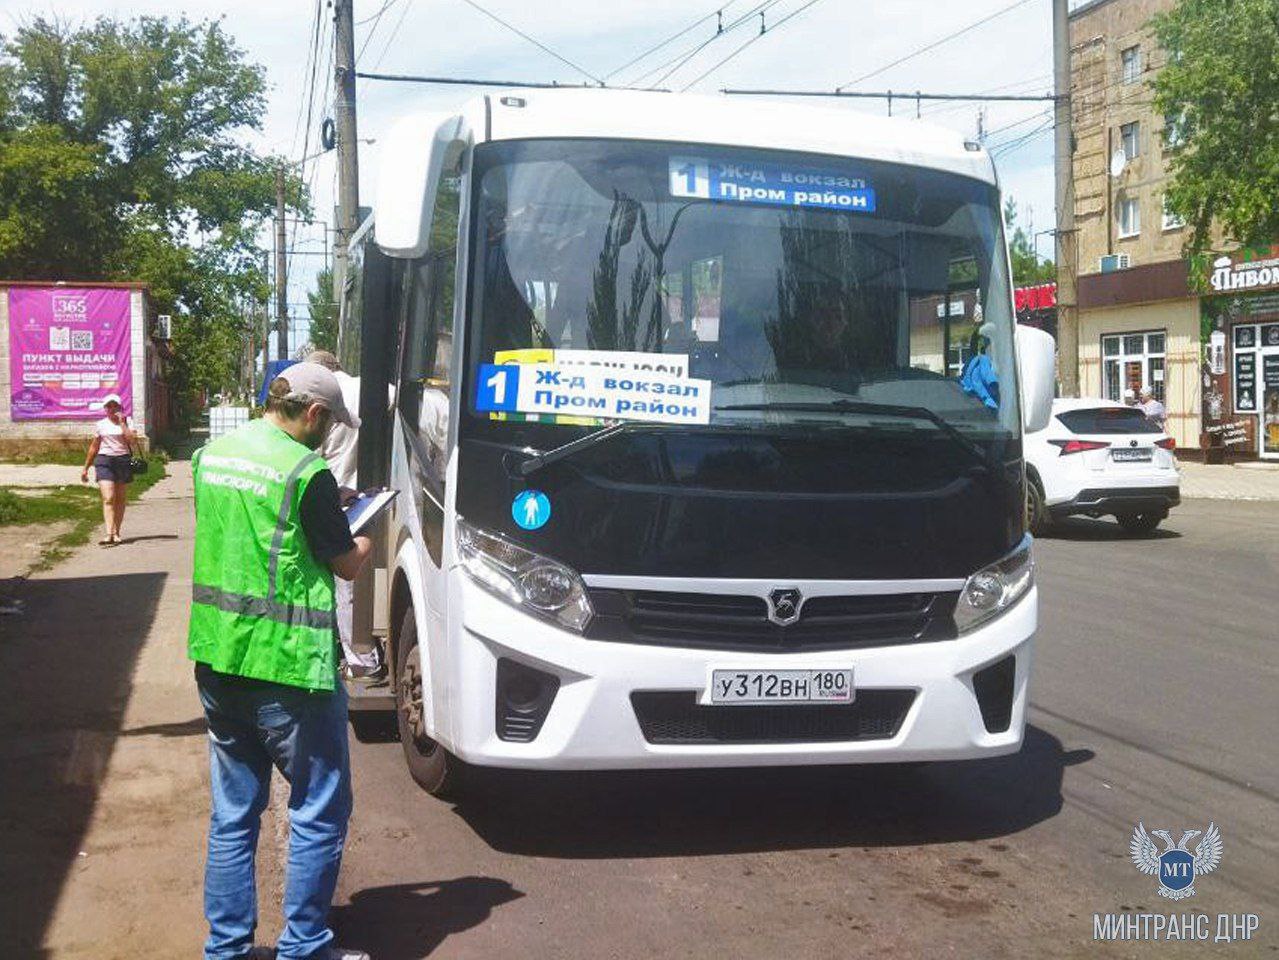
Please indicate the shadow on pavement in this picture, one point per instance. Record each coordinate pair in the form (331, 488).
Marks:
(154, 536)
(408, 921)
(68, 665)
(1085, 528)
(197, 727)
(699, 812)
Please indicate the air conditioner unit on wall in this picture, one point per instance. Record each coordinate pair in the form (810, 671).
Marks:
(164, 327)
(1117, 261)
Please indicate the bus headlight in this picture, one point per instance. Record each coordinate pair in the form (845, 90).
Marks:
(523, 578)
(993, 589)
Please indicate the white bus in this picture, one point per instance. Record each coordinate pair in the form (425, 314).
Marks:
(689, 472)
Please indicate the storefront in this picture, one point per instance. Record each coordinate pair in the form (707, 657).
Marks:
(1239, 331)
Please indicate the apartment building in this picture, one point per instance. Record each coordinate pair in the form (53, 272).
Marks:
(1211, 358)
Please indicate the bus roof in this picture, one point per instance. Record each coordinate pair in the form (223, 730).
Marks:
(414, 151)
(730, 121)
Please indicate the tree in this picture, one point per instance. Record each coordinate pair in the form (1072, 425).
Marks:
(324, 312)
(122, 157)
(1028, 268)
(1217, 94)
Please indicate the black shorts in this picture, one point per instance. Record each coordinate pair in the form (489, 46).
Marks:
(115, 469)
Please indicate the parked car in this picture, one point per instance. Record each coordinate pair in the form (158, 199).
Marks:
(1100, 458)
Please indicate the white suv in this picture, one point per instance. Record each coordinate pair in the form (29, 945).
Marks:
(1099, 458)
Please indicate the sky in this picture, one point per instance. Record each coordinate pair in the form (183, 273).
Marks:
(831, 43)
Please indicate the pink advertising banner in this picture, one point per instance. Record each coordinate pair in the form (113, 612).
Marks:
(68, 348)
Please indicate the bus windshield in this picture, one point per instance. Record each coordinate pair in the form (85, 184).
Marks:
(803, 288)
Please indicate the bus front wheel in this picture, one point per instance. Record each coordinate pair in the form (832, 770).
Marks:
(433, 768)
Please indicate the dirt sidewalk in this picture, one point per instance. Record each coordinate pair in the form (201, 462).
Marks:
(103, 764)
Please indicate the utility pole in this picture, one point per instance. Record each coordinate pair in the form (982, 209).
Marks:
(281, 269)
(347, 138)
(1067, 238)
(264, 321)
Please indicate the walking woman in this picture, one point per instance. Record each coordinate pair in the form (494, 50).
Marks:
(109, 457)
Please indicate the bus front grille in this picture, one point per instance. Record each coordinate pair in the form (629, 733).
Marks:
(740, 622)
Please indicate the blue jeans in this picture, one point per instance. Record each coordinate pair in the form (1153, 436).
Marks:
(252, 726)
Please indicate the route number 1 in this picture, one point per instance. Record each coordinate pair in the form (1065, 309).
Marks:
(498, 387)
(689, 177)
(497, 384)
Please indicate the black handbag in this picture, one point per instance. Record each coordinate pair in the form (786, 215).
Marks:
(137, 464)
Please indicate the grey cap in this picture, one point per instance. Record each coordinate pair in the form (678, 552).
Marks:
(312, 383)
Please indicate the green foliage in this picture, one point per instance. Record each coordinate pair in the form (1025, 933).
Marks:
(324, 312)
(1028, 268)
(1219, 87)
(122, 157)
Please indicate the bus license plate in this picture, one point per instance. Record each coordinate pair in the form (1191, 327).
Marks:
(781, 686)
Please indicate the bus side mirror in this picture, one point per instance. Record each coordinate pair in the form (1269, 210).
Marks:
(1036, 362)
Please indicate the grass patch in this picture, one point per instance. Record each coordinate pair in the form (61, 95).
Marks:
(65, 503)
(39, 452)
(81, 505)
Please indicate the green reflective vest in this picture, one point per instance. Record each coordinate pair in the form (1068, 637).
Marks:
(262, 605)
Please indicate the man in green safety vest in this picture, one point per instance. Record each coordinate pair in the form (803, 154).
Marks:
(269, 537)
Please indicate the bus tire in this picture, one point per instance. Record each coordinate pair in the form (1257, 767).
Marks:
(432, 767)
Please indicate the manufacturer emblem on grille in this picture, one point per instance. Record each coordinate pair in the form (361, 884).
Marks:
(1132, 443)
(783, 606)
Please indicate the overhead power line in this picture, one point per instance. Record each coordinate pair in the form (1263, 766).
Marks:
(307, 71)
(1004, 149)
(1017, 123)
(888, 95)
(533, 40)
(404, 12)
(377, 21)
(673, 37)
(374, 16)
(464, 82)
(678, 61)
(764, 31)
(934, 44)
(1017, 86)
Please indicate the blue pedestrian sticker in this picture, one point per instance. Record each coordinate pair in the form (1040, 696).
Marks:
(531, 509)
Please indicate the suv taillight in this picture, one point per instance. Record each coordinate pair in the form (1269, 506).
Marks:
(1078, 446)
(1168, 443)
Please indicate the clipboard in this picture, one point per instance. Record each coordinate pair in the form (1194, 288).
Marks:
(364, 509)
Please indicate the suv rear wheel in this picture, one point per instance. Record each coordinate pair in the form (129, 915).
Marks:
(1037, 517)
(434, 769)
(1139, 523)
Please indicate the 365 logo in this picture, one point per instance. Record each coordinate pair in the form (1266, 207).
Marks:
(1175, 868)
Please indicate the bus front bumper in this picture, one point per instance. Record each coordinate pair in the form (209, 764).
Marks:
(621, 705)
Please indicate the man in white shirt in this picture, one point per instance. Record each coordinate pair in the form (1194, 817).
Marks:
(1152, 408)
(339, 452)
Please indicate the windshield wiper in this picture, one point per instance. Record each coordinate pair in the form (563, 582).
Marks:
(546, 458)
(845, 405)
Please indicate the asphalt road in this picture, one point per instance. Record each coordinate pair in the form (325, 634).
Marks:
(1155, 697)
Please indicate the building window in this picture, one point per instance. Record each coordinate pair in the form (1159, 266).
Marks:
(1174, 131)
(1133, 361)
(1130, 59)
(1171, 221)
(1129, 218)
(1129, 138)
